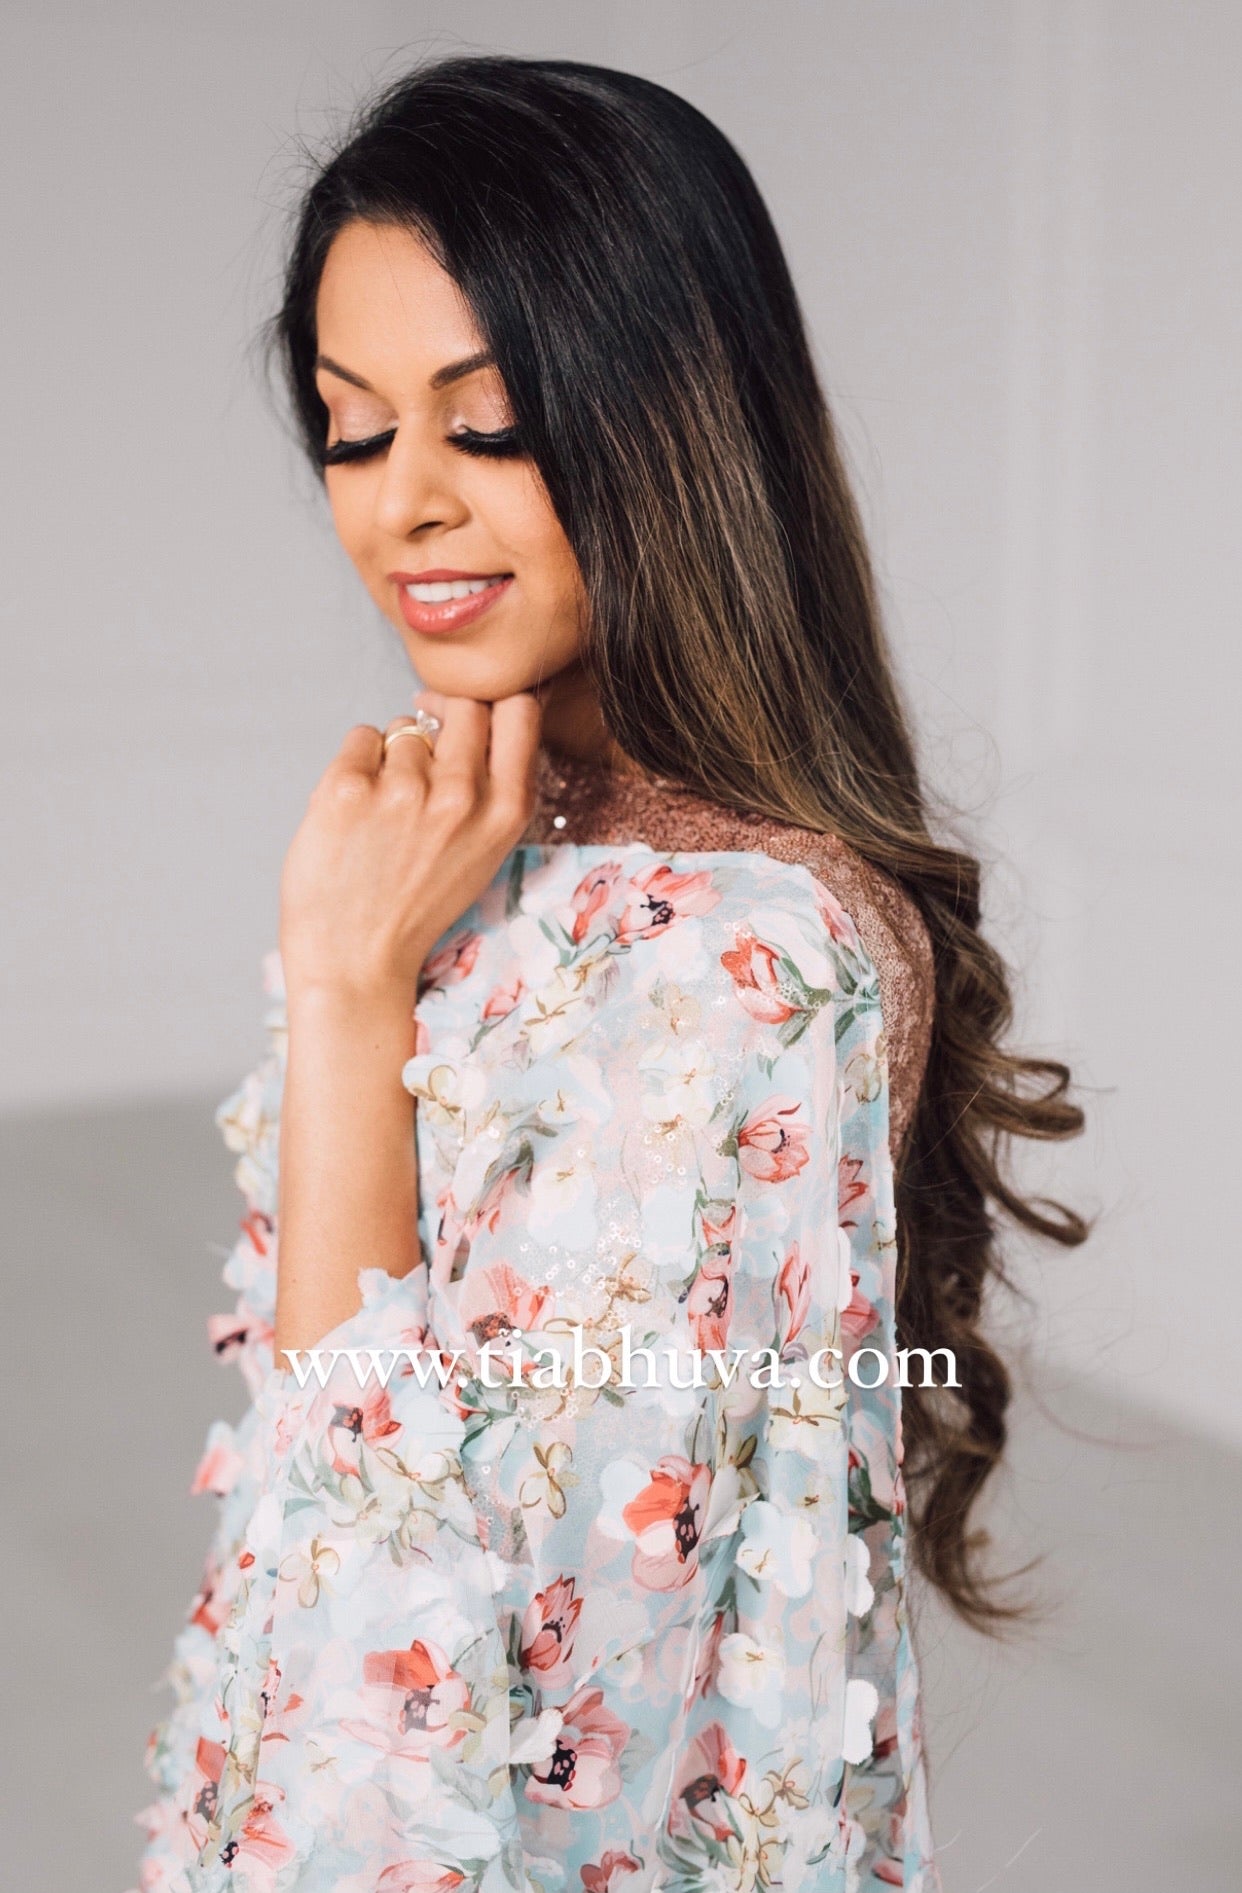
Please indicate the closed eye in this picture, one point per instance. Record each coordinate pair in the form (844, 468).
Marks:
(345, 450)
(501, 443)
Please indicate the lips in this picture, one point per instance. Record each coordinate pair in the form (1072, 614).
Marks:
(443, 600)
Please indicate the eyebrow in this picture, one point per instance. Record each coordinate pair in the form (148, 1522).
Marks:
(443, 377)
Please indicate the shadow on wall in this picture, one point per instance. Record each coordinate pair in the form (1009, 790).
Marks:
(1093, 1751)
(1092, 1754)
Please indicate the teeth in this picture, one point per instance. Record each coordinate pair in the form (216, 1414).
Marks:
(439, 594)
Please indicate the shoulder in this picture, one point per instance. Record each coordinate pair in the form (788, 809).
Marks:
(900, 947)
(892, 930)
(886, 917)
(837, 886)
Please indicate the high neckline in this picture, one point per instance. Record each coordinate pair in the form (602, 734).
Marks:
(589, 800)
(597, 768)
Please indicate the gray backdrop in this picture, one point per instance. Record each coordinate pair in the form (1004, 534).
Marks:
(1015, 226)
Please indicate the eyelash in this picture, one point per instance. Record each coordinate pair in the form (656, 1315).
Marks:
(503, 444)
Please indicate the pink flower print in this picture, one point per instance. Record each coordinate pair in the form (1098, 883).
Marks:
(753, 968)
(271, 1684)
(612, 1871)
(413, 1335)
(370, 1419)
(884, 1741)
(870, 1454)
(548, 1631)
(708, 1659)
(718, 1234)
(709, 1303)
(288, 1421)
(226, 1335)
(163, 1822)
(503, 999)
(658, 898)
(710, 1774)
(260, 1228)
(262, 1846)
(582, 1770)
(667, 1521)
(413, 1694)
(457, 1231)
(209, 1609)
(205, 1788)
(859, 1316)
(218, 1468)
(229, 1334)
(455, 960)
(418, 1876)
(773, 1142)
(449, 1233)
(793, 1295)
(591, 896)
(452, 1393)
(486, 1212)
(497, 1302)
(840, 927)
(279, 1718)
(851, 1188)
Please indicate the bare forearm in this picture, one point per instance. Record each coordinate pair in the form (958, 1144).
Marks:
(397, 840)
(348, 1193)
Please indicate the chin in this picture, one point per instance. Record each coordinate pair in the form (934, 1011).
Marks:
(461, 672)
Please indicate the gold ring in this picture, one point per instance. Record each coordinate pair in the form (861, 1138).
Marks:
(408, 729)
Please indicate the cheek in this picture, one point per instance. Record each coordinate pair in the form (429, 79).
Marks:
(352, 512)
(539, 543)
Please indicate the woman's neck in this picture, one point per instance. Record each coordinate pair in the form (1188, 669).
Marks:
(573, 724)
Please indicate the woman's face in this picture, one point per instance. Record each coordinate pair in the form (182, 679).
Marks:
(457, 544)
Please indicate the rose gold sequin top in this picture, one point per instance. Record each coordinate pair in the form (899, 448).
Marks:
(587, 802)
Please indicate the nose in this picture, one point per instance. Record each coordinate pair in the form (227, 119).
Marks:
(415, 492)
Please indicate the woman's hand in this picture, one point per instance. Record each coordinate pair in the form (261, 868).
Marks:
(393, 848)
(391, 851)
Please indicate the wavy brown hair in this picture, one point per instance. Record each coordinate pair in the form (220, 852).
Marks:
(621, 263)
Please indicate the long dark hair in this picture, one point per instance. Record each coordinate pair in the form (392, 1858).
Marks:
(625, 273)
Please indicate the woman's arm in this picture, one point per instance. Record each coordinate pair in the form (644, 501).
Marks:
(333, 1492)
(392, 849)
(348, 1174)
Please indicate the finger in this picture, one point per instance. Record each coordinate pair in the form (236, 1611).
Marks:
(433, 701)
(461, 746)
(409, 758)
(514, 748)
(361, 751)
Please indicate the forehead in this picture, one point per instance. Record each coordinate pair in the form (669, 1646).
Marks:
(387, 308)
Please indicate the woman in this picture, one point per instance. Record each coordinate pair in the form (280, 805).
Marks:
(638, 927)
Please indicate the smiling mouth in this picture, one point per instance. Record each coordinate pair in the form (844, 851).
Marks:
(447, 601)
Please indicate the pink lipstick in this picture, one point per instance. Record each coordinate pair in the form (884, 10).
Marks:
(444, 600)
